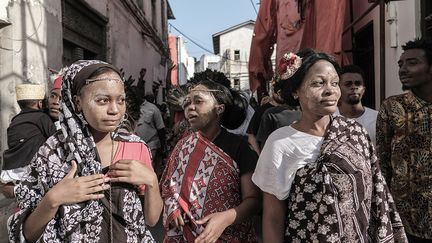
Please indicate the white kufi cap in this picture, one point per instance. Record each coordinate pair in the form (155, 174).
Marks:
(30, 92)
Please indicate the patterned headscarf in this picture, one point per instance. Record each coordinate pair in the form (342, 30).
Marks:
(74, 222)
(74, 125)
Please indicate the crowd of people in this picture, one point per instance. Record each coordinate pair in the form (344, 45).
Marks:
(313, 164)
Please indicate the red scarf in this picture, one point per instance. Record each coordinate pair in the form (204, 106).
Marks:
(200, 179)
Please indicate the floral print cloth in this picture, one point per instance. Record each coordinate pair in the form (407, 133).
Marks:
(404, 145)
(79, 222)
(343, 197)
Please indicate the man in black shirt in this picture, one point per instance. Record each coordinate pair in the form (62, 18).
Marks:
(26, 133)
(274, 118)
(254, 124)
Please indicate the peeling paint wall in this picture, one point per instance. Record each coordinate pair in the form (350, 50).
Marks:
(29, 46)
(130, 50)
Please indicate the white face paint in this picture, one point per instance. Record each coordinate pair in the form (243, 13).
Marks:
(103, 102)
(200, 108)
(319, 92)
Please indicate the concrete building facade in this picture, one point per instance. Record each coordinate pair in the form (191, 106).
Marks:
(184, 65)
(208, 61)
(39, 37)
(233, 45)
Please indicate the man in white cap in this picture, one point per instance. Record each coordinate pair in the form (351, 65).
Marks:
(26, 133)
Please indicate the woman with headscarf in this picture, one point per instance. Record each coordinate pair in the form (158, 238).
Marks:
(320, 176)
(207, 189)
(89, 183)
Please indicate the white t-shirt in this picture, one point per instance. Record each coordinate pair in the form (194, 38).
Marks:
(285, 151)
(367, 120)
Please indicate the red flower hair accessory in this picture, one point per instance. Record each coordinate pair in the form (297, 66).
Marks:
(287, 66)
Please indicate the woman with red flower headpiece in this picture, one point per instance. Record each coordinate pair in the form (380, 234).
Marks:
(320, 176)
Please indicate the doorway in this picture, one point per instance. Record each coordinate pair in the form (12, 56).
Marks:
(363, 56)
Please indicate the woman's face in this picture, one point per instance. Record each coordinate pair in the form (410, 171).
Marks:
(201, 108)
(319, 92)
(103, 102)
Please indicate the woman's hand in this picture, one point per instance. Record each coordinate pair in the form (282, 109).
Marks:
(179, 222)
(133, 172)
(216, 224)
(75, 190)
(136, 173)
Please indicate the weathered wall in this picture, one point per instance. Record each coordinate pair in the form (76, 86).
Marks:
(184, 64)
(130, 50)
(29, 46)
(238, 39)
(172, 43)
(187, 67)
(205, 60)
(33, 43)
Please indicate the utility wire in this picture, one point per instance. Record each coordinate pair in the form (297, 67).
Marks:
(258, 17)
(253, 5)
(187, 37)
(204, 48)
(37, 28)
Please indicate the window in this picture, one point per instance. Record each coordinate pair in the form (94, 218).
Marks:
(237, 84)
(76, 43)
(236, 55)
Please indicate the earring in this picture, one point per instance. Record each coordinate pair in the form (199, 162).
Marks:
(125, 123)
(295, 97)
(123, 120)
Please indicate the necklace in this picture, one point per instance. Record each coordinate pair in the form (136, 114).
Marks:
(110, 196)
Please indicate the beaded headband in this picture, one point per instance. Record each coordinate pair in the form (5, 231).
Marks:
(87, 81)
